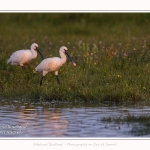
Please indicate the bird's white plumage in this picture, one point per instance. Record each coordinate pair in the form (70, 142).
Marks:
(52, 64)
(22, 57)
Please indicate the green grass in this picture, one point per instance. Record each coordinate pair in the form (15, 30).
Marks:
(112, 52)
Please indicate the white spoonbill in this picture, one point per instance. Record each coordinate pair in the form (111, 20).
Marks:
(22, 57)
(53, 64)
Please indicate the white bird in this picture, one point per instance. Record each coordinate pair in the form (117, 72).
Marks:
(22, 57)
(54, 63)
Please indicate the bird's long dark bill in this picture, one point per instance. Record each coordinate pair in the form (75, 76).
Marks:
(40, 53)
(70, 58)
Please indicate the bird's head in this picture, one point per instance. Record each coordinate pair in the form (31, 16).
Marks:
(34, 46)
(65, 50)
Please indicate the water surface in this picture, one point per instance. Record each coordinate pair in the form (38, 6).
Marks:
(37, 121)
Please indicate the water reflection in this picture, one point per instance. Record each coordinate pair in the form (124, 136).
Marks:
(37, 121)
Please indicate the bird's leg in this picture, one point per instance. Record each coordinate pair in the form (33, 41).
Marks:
(56, 74)
(57, 79)
(22, 67)
(41, 80)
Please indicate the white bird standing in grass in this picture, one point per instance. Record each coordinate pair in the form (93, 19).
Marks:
(22, 57)
(53, 64)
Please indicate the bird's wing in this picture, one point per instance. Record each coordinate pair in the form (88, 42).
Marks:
(19, 55)
(42, 66)
(49, 64)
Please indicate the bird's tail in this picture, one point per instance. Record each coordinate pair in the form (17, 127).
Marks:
(38, 70)
(8, 61)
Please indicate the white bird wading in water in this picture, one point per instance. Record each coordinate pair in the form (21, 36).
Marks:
(54, 63)
(22, 57)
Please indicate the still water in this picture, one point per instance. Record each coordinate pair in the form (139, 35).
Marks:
(37, 121)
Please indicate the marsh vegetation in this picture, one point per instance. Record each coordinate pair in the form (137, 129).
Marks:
(112, 53)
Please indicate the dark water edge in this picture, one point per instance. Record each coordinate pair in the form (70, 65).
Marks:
(72, 103)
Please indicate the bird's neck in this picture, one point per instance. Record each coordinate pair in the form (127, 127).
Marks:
(63, 57)
(34, 53)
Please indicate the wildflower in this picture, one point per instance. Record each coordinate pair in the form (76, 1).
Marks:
(100, 42)
(80, 41)
(103, 48)
(119, 76)
(134, 38)
(119, 44)
(125, 55)
(114, 53)
(143, 40)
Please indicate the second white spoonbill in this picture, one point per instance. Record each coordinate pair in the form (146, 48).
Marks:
(54, 63)
(22, 57)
